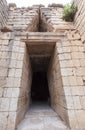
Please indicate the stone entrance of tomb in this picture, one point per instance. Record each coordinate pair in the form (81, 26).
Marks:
(40, 56)
(41, 83)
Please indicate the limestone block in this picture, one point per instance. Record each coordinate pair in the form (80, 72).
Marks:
(12, 64)
(13, 104)
(73, 120)
(60, 50)
(66, 63)
(76, 62)
(1, 92)
(18, 73)
(82, 101)
(72, 81)
(5, 102)
(75, 55)
(77, 91)
(7, 92)
(66, 49)
(80, 114)
(17, 82)
(11, 121)
(15, 92)
(3, 72)
(67, 91)
(67, 72)
(20, 56)
(3, 120)
(11, 72)
(67, 56)
(65, 81)
(83, 37)
(15, 49)
(74, 48)
(81, 49)
(72, 35)
(80, 71)
(19, 64)
(79, 81)
(82, 62)
(76, 42)
(69, 102)
(77, 103)
(10, 82)
(14, 56)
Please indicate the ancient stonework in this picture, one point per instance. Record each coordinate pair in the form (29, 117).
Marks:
(37, 39)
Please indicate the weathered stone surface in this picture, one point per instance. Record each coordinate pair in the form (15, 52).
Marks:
(66, 73)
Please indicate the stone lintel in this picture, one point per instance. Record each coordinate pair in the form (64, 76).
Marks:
(40, 37)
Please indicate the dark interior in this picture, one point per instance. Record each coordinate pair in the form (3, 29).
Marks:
(39, 88)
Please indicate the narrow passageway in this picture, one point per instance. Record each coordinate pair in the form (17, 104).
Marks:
(41, 117)
(39, 89)
(41, 114)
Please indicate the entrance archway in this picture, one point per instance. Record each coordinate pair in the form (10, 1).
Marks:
(41, 63)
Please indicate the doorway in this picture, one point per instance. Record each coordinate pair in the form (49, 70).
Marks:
(39, 88)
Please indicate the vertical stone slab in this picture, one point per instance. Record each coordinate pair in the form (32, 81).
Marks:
(58, 101)
(12, 90)
(3, 13)
(71, 55)
(79, 21)
(5, 52)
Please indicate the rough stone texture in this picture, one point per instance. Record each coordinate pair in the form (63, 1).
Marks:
(79, 21)
(23, 19)
(52, 20)
(58, 101)
(66, 75)
(3, 13)
(25, 86)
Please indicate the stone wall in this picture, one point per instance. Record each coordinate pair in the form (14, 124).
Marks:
(79, 21)
(52, 20)
(56, 89)
(66, 74)
(5, 54)
(15, 82)
(66, 80)
(23, 19)
(3, 13)
(25, 87)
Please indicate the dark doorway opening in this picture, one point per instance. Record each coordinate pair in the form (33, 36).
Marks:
(39, 88)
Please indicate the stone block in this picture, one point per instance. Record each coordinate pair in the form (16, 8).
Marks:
(73, 123)
(72, 80)
(66, 81)
(13, 64)
(80, 114)
(5, 102)
(77, 103)
(18, 73)
(19, 64)
(15, 92)
(3, 120)
(11, 121)
(7, 92)
(69, 102)
(77, 91)
(11, 72)
(13, 104)
(82, 101)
